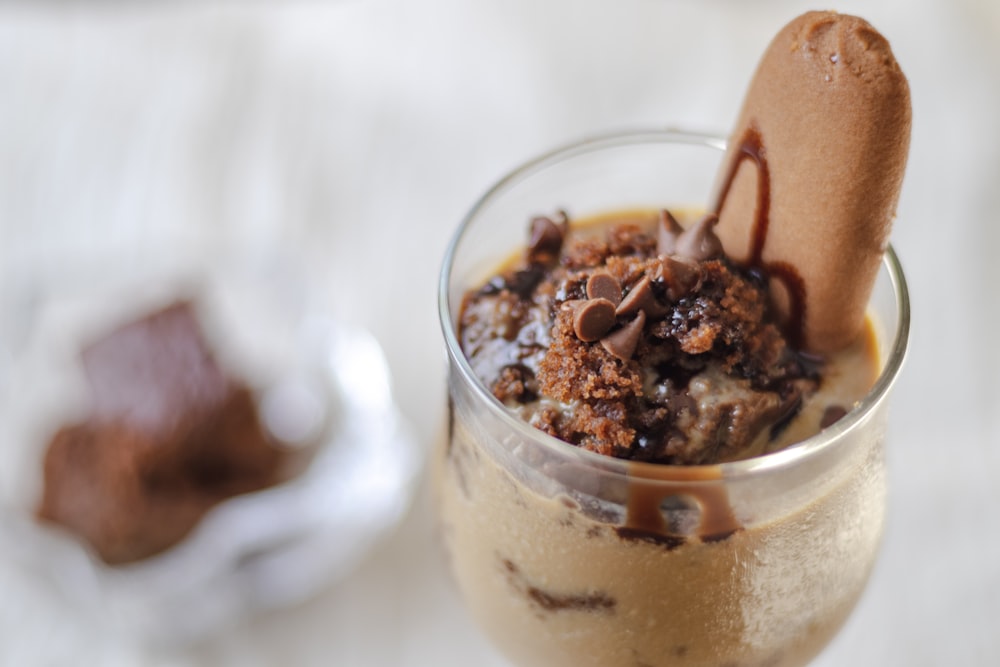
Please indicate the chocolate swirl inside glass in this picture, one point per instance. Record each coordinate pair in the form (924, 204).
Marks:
(567, 557)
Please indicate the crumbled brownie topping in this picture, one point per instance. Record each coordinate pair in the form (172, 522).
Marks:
(638, 343)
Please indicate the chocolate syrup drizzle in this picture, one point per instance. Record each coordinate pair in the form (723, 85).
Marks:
(751, 147)
(644, 518)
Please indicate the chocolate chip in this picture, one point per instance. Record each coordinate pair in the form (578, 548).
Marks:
(680, 276)
(546, 239)
(603, 285)
(593, 319)
(832, 415)
(641, 297)
(699, 242)
(622, 343)
(667, 232)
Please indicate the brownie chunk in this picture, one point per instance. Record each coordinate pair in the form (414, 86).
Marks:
(155, 373)
(95, 487)
(638, 343)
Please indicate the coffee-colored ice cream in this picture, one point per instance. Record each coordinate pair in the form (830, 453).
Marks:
(553, 578)
(564, 567)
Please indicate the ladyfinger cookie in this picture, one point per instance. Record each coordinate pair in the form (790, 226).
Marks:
(811, 178)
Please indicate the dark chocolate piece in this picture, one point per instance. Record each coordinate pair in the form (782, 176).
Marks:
(670, 542)
(597, 601)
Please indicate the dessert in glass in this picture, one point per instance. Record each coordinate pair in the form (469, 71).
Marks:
(666, 436)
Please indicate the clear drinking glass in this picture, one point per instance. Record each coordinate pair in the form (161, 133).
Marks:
(537, 530)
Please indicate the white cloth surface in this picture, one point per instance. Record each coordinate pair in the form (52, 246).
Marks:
(363, 130)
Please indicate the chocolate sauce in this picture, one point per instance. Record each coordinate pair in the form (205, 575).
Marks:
(717, 521)
(597, 601)
(751, 147)
(644, 518)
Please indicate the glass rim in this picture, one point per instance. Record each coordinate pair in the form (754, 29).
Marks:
(894, 352)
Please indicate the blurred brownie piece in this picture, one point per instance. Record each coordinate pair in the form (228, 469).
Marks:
(170, 434)
(157, 373)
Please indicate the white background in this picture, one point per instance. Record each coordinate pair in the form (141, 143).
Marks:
(363, 130)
